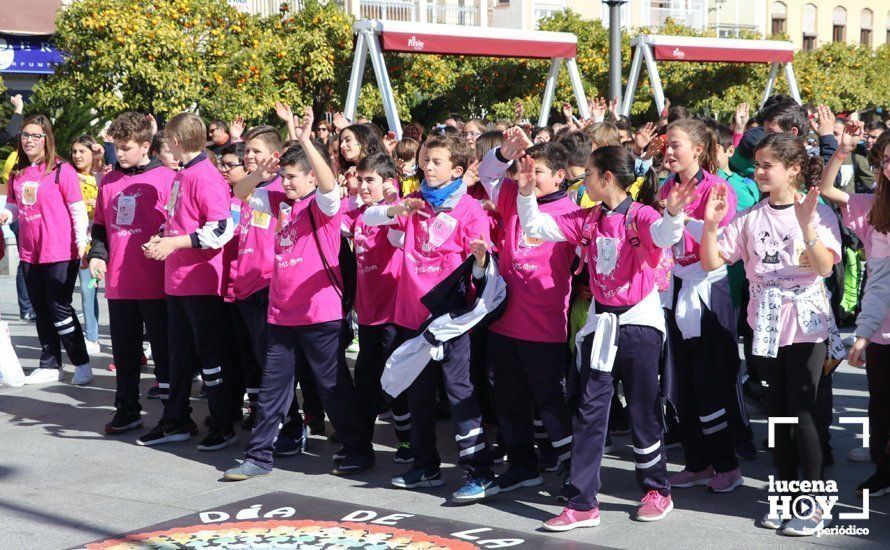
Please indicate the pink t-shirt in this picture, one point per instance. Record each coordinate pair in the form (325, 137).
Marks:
(301, 292)
(256, 256)
(620, 274)
(434, 248)
(770, 242)
(46, 231)
(200, 195)
(230, 252)
(877, 245)
(131, 207)
(685, 252)
(538, 274)
(378, 263)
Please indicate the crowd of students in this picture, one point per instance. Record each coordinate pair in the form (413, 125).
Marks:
(554, 286)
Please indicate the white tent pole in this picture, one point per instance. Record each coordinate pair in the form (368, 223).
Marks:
(578, 88)
(356, 76)
(654, 78)
(386, 94)
(773, 71)
(549, 89)
(632, 80)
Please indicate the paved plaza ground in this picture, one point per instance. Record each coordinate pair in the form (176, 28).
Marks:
(64, 483)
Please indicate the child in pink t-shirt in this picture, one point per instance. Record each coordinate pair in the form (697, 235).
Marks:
(527, 347)
(441, 224)
(199, 224)
(45, 197)
(378, 256)
(305, 318)
(621, 242)
(704, 343)
(868, 216)
(130, 209)
(788, 244)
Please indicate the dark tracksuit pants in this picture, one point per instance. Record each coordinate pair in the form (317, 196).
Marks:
(244, 365)
(51, 287)
(317, 349)
(376, 344)
(194, 329)
(793, 378)
(127, 318)
(705, 367)
(466, 414)
(878, 361)
(636, 365)
(527, 372)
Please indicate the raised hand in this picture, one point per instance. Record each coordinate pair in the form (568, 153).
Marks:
(471, 176)
(267, 168)
(18, 103)
(515, 143)
(339, 121)
(525, 177)
(390, 141)
(479, 247)
(682, 195)
(408, 207)
(154, 123)
(716, 207)
(518, 111)
(303, 128)
(567, 112)
(741, 117)
(851, 135)
(805, 207)
(390, 193)
(614, 109)
(643, 138)
(598, 108)
(236, 128)
(284, 111)
(824, 125)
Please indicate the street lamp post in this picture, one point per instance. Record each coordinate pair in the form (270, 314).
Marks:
(615, 48)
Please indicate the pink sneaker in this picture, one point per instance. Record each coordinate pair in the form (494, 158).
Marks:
(111, 367)
(655, 506)
(570, 519)
(725, 482)
(687, 478)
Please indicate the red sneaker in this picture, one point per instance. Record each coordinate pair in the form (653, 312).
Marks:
(570, 519)
(654, 506)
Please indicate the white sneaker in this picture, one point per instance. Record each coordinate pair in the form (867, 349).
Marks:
(93, 348)
(859, 454)
(43, 376)
(82, 375)
(146, 350)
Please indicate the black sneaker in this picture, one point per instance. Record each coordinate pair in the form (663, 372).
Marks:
(154, 392)
(218, 438)
(165, 432)
(745, 449)
(124, 420)
(403, 454)
(517, 477)
(316, 425)
(878, 484)
(353, 464)
(339, 455)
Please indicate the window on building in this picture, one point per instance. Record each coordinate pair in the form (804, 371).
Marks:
(839, 25)
(865, 27)
(779, 17)
(809, 27)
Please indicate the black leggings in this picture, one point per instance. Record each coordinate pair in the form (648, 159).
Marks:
(793, 378)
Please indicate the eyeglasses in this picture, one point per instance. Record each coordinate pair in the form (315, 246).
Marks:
(226, 166)
(323, 129)
(214, 129)
(472, 133)
(32, 137)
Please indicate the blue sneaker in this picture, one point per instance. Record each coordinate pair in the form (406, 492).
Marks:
(287, 445)
(475, 489)
(418, 477)
(245, 470)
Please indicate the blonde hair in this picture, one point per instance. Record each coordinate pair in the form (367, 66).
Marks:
(603, 134)
(188, 130)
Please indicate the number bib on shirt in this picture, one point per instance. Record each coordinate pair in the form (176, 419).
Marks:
(29, 192)
(606, 255)
(126, 210)
(173, 194)
(260, 219)
(441, 228)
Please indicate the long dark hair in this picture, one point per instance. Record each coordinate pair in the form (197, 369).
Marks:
(621, 163)
(50, 158)
(879, 216)
(367, 139)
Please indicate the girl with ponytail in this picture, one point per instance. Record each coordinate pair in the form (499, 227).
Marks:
(621, 240)
(788, 243)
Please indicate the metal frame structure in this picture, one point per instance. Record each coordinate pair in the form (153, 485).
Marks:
(653, 48)
(373, 37)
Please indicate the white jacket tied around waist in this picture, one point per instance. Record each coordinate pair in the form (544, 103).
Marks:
(813, 315)
(408, 360)
(605, 326)
(695, 291)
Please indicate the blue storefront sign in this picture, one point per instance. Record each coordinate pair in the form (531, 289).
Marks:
(28, 54)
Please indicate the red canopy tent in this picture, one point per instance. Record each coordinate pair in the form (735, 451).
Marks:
(653, 48)
(375, 37)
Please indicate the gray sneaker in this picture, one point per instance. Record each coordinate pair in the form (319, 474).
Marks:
(245, 470)
(797, 527)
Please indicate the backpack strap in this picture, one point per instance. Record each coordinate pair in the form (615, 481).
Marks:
(587, 231)
(632, 233)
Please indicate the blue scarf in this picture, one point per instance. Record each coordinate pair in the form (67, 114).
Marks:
(436, 196)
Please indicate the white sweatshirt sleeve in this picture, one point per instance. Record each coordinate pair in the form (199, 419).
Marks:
(536, 223)
(81, 221)
(491, 173)
(376, 215)
(328, 203)
(668, 230)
